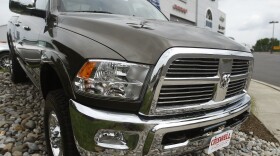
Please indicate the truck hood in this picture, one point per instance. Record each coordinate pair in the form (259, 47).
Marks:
(142, 40)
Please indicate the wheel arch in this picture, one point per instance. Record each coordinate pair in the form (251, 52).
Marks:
(53, 76)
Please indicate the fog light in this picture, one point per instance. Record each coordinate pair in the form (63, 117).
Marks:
(116, 139)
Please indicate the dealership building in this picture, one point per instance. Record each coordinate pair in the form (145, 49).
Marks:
(201, 13)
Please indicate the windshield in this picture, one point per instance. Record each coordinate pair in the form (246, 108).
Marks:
(138, 8)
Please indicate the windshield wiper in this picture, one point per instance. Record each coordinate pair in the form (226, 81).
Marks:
(104, 12)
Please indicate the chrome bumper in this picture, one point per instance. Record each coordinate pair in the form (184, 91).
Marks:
(141, 136)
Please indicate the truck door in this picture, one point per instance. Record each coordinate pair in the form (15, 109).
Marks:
(28, 47)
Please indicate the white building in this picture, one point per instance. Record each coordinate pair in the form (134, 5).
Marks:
(201, 13)
(179, 10)
(210, 17)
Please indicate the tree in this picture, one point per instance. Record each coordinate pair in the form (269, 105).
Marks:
(264, 45)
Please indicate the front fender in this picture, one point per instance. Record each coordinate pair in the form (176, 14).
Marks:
(53, 60)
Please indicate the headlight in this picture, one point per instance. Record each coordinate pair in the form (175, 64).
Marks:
(111, 79)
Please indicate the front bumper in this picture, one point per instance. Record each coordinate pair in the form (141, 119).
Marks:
(142, 136)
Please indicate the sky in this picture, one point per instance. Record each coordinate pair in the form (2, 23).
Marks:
(5, 13)
(247, 20)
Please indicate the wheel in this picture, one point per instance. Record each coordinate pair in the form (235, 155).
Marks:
(57, 123)
(17, 73)
(5, 62)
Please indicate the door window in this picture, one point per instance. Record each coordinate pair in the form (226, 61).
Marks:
(209, 19)
(41, 4)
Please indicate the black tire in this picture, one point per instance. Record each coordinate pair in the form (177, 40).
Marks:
(17, 73)
(57, 102)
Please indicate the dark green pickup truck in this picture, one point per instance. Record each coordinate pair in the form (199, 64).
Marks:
(118, 78)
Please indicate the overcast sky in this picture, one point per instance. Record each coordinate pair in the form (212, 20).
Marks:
(247, 20)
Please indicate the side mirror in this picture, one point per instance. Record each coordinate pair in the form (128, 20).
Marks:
(26, 7)
(22, 6)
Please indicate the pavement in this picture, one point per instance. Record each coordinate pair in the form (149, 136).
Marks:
(266, 98)
(267, 67)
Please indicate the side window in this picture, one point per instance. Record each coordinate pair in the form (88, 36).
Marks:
(41, 4)
(209, 19)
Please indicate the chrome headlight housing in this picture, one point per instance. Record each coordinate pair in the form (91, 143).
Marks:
(113, 79)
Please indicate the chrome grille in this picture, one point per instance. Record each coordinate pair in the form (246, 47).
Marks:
(193, 79)
(185, 95)
(240, 67)
(193, 67)
(235, 88)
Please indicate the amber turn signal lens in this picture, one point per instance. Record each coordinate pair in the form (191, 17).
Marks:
(86, 70)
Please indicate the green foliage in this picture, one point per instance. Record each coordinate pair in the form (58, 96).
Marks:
(264, 45)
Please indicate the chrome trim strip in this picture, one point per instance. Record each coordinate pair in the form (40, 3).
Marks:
(149, 106)
(177, 81)
(112, 116)
(118, 147)
(211, 104)
(215, 117)
(179, 97)
(176, 145)
(192, 100)
(238, 77)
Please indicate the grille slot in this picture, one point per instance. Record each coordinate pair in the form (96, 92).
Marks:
(240, 67)
(185, 95)
(193, 67)
(235, 88)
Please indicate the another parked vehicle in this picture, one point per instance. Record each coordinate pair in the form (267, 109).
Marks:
(119, 79)
(5, 62)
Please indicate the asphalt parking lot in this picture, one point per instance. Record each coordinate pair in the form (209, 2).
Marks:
(267, 68)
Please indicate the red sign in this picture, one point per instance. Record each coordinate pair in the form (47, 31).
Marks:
(220, 139)
(180, 9)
